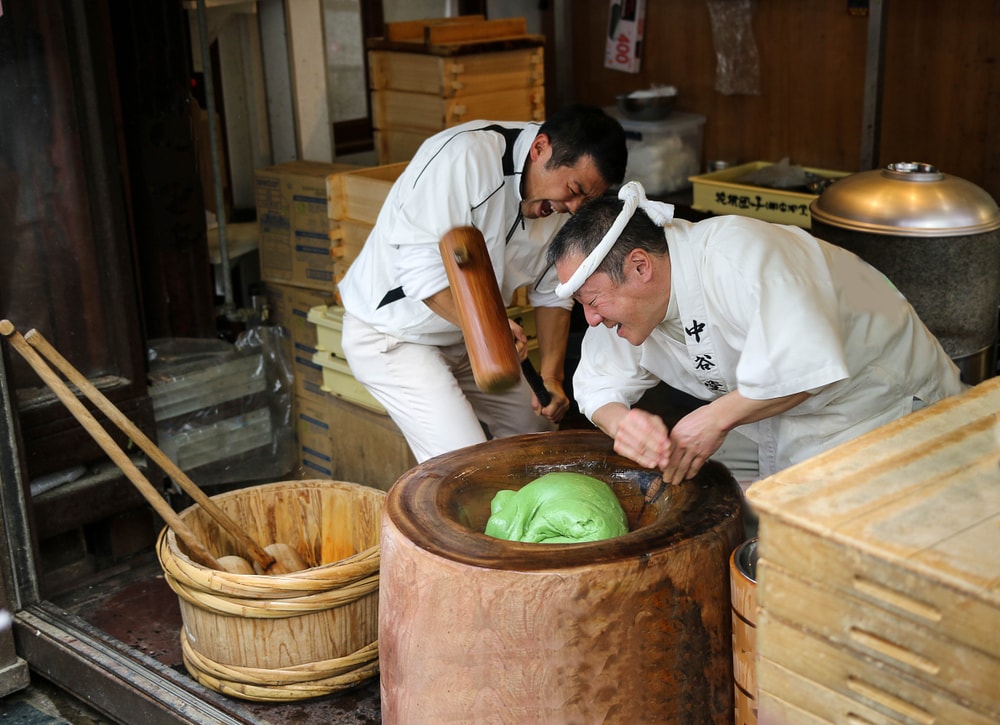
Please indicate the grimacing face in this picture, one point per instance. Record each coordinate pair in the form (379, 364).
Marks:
(633, 308)
(558, 190)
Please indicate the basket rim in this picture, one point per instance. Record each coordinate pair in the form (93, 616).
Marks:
(342, 572)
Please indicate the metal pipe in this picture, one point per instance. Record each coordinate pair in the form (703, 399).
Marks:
(206, 67)
(871, 115)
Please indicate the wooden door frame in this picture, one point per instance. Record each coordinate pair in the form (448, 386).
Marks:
(117, 680)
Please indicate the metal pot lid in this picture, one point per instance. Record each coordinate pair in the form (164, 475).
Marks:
(907, 199)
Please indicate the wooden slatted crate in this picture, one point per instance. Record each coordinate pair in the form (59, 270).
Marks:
(859, 680)
(429, 75)
(806, 702)
(879, 571)
(393, 145)
(430, 113)
(350, 241)
(457, 76)
(359, 194)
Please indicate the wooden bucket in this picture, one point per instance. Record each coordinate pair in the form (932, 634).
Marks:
(283, 637)
(743, 593)
(631, 629)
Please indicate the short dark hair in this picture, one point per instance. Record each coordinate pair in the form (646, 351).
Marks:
(580, 130)
(583, 231)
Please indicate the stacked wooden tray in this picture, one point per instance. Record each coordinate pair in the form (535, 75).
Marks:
(428, 75)
(878, 579)
(356, 198)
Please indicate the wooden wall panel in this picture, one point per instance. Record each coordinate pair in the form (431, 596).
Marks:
(940, 100)
(942, 97)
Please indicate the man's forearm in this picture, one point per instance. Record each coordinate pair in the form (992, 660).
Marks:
(552, 324)
(443, 305)
(733, 409)
(608, 416)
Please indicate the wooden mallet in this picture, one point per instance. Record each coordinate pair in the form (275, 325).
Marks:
(483, 317)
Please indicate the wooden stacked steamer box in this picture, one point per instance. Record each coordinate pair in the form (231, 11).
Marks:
(356, 199)
(365, 445)
(878, 580)
(428, 75)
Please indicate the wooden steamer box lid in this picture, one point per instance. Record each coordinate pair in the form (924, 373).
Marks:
(456, 36)
(885, 553)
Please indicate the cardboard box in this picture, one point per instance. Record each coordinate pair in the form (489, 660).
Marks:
(289, 307)
(718, 192)
(626, 27)
(342, 441)
(308, 375)
(313, 434)
(294, 225)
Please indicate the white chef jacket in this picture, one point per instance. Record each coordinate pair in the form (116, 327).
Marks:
(469, 175)
(770, 311)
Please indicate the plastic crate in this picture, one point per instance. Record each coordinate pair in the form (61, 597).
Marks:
(339, 380)
(662, 155)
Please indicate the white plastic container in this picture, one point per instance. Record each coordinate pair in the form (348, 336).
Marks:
(663, 154)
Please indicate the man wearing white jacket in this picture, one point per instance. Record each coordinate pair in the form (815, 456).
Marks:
(515, 182)
(794, 343)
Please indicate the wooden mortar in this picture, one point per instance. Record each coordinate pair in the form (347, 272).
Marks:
(631, 629)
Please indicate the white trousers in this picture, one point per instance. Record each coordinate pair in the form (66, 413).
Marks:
(431, 394)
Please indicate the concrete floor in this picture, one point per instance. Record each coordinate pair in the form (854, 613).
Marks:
(140, 610)
(42, 703)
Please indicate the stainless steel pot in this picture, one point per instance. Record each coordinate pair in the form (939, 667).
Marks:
(937, 238)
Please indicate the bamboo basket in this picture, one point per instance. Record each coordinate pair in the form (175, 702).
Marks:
(283, 637)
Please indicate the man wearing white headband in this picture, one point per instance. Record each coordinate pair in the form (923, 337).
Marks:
(794, 343)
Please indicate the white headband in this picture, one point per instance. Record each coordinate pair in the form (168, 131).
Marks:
(633, 196)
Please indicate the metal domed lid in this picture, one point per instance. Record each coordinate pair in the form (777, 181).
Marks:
(907, 199)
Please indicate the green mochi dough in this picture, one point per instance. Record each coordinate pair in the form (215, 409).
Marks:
(557, 508)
